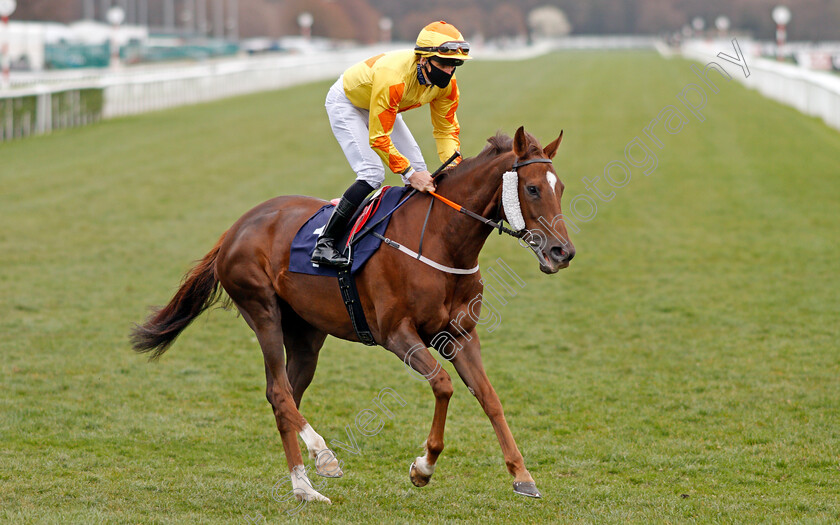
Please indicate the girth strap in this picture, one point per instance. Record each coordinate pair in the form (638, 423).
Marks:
(347, 284)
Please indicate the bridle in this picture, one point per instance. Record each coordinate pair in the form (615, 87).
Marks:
(495, 224)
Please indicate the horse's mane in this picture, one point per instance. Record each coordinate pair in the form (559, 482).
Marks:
(498, 143)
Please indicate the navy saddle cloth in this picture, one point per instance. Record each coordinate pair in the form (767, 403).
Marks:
(304, 241)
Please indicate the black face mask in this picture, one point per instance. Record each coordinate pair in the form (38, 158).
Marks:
(439, 77)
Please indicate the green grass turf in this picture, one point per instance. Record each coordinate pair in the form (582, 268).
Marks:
(684, 369)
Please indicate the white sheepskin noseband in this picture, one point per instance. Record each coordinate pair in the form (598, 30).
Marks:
(510, 200)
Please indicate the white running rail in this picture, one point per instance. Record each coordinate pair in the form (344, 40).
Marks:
(75, 99)
(813, 93)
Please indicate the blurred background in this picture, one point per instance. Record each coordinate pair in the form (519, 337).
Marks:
(70, 62)
(358, 20)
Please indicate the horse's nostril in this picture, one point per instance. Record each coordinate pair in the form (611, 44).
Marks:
(557, 254)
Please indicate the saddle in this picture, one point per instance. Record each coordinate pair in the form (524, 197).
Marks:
(373, 210)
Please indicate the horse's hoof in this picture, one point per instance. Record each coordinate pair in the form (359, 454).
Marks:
(302, 487)
(526, 488)
(418, 478)
(327, 465)
(330, 472)
(311, 495)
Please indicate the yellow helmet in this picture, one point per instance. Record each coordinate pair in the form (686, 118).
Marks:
(442, 40)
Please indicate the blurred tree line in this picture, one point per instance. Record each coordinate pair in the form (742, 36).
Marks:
(359, 19)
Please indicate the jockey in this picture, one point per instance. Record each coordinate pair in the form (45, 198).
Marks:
(363, 107)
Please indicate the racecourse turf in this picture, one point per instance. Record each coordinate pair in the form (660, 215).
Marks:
(683, 369)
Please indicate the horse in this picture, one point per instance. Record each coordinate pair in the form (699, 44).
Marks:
(405, 301)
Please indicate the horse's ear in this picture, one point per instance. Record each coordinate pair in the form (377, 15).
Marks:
(551, 149)
(520, 142)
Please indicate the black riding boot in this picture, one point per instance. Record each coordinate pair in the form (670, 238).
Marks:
(325, 251)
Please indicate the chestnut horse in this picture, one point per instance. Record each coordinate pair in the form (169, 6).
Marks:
(405, 301)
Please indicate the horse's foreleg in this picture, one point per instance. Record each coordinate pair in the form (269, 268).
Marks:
(301, 370)
(408, 347)
(468, 363)
(424, 466)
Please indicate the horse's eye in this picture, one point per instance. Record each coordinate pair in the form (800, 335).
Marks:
(533, 191)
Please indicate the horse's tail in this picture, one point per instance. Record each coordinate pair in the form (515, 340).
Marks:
(198, 291)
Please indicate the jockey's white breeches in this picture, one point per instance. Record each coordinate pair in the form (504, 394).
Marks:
(350, 127)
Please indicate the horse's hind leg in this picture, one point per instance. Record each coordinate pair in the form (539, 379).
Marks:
(303, 343)
(261, 310)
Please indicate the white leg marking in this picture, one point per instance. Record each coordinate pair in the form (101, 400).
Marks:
(302, 487)
(423, 466)
(552, 179)
(326, 464)
(314, 442)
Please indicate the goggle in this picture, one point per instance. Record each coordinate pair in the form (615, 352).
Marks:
(454, 62)
(448, 48)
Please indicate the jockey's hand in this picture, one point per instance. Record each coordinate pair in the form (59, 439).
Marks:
(422, 181)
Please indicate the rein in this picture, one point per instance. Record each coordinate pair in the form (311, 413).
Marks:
(495, 224)
(489, 222)
(358, 237)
